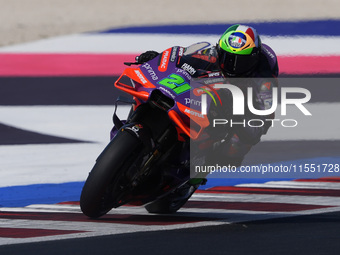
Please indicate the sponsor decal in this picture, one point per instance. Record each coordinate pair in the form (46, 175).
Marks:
(192, 101)
(181, 71)
(214, 74)
(181, 51)
(188, 68)
(141, 76)
(213, 80)
(135, 129)
(194, 113)
(268, 52)
(163, 65)
(167, 92)
(173, 54)
(150, 71)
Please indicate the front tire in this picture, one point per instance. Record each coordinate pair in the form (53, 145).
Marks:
(98, 196)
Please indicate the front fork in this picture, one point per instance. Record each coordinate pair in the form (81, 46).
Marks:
(118, 123)
(156, 131)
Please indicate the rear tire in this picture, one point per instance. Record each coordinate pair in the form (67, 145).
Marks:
(98, 196)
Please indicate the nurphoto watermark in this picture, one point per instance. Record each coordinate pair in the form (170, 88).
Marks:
(218, 107)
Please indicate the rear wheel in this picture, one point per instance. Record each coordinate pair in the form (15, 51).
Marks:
(102, 189)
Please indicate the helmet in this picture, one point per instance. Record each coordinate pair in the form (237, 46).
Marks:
(239, 50)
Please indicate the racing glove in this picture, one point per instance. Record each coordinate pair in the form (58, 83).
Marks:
(146, 56)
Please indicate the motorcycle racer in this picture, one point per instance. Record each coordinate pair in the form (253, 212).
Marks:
(150, 158)
(241, 58)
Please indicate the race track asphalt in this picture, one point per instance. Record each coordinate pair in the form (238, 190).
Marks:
(312, 235)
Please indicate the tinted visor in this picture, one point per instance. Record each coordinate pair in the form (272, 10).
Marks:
(237, 64)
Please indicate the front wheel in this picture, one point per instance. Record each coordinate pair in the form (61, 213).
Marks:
(101, 190)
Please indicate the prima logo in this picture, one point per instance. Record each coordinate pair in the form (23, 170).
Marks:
(192, 101)
(150, 71)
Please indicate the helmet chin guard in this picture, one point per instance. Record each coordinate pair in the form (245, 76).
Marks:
(239, 50)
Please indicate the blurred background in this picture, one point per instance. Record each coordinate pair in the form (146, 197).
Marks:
(23, 21)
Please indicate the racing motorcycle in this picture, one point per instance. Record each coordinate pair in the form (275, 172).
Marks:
(149, 157)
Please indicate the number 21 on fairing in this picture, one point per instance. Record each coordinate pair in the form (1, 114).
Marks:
(176, 83)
